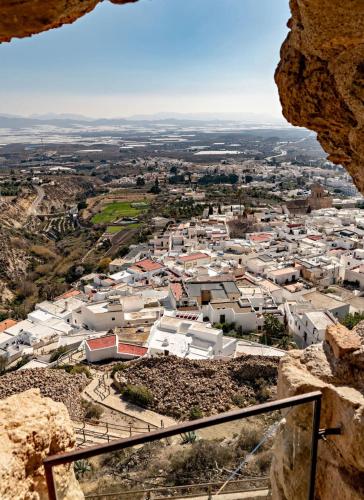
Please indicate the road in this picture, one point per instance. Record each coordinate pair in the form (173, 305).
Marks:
(283, 152)
(33, 209)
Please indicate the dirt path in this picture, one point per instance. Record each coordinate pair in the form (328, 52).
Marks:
(114, 402)
(33, 209)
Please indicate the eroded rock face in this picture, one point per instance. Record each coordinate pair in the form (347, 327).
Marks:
(20, 18)
(336, 371)
(320, 77)
(32, 427)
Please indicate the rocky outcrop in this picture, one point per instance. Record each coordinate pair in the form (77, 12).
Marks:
(320, 77)
(32, 427)
(336, 369)
(20, 18)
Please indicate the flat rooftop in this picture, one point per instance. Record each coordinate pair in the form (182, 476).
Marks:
(237, 306)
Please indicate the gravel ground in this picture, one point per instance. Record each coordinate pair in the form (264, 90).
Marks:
(56, 384)
(177, 384)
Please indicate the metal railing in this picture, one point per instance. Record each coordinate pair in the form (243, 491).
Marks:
(102, 389)
(191, 426)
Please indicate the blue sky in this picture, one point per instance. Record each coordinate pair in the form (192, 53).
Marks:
(151, 56)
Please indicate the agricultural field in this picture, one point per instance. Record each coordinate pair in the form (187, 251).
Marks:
(116, 229)
(53, 227)
(117, 209)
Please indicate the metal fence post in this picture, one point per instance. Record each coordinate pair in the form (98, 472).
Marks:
(314, 446)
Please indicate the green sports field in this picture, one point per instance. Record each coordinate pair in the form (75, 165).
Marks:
(116, 229)
(113, 211)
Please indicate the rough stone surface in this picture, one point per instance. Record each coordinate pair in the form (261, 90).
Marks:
(56, 384)
(21, 18)
(32, 427)
(320, 77)
(178, 384)
(340, 466)
(341, 340)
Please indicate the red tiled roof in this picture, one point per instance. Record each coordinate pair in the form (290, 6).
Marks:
(314, 237)
(177, 290)
(102, 342)
(135, 350)
(7, 323)
(67, 295)
(260, 237)
(193, 256)
(148, 265)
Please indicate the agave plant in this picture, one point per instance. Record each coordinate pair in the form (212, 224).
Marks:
(189, 437)
(81, 467)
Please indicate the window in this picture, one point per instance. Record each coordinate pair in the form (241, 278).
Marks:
(112, 319)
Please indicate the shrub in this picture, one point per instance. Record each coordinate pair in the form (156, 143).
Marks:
(261, 390)
(196, 413)
(198, 462)
(352, 320)
(250, 435)
(117, 368)
(92, 410)
(43, 252)
(80, 369)
(58, 353)
(238, 399)
(74, 369)
(103, 265)
(263, 461)
(138, 394)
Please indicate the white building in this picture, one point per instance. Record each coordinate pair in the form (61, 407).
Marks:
(108, 347)
(307, 325)
(239, 312)
(188, 339)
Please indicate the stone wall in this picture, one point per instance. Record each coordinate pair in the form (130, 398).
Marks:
(336, 369)
(32, 427)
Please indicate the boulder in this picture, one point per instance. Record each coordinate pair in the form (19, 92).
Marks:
(31, 428)
(340, 465)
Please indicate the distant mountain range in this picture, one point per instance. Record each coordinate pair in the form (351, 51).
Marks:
(187, 119)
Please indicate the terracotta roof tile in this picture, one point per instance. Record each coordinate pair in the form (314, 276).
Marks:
(102, 342)
(131, 349)
(7, 323)
(148, 265)
(193, 256)
(67, 295)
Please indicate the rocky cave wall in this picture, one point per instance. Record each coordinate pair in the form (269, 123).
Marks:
(320, 77)
(21, 18)
(31, 428)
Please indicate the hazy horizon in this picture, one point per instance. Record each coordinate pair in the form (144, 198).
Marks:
(147, 58)
(248, 117)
